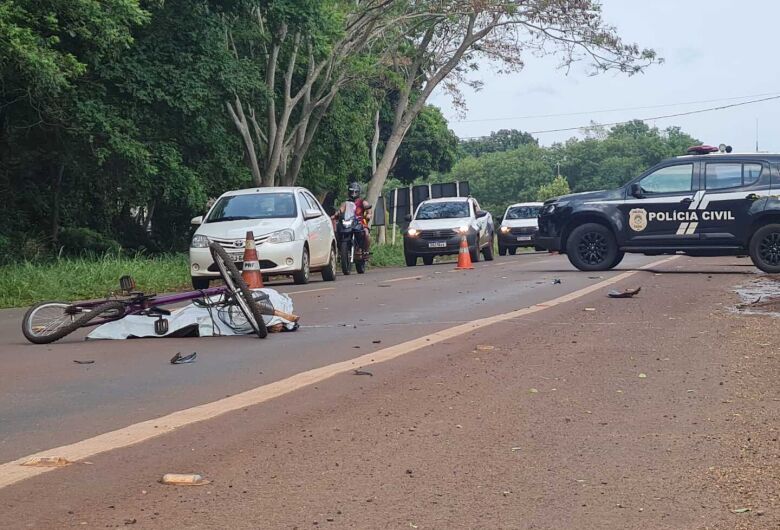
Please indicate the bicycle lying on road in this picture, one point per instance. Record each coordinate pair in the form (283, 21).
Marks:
(47, 322)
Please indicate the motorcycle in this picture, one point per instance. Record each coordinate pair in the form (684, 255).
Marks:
(349, 232)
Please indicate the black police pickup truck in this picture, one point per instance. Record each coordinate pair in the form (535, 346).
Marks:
(711, 202)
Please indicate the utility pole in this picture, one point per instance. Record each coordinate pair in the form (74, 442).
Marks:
(756, 135)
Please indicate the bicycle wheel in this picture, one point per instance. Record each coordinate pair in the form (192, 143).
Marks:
(238, 287)
(50, 321)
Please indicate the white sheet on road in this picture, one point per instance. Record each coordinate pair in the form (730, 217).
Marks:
(208, 322)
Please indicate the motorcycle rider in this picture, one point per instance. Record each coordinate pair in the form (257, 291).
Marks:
(362, 211)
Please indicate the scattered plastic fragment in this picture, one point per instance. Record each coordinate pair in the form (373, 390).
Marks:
(83, 362)
(363, 372)
(184, 479)
(627, 293)
(47, 461)
(186, 359)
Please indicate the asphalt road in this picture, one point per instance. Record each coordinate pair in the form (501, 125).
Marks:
(48, 400)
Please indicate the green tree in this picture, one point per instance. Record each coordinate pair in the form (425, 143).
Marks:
(501, 178)
(429, 146)
(617, 155)
(440, 43)
(555, 188)
(502, 140)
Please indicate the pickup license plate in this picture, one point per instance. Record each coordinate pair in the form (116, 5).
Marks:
(437, 244)
(524, 238)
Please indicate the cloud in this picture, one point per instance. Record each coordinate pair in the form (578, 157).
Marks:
(540, 89)
(687, 56)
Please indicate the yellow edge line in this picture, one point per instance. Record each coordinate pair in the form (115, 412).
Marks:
(311, 291)
(13, 472)
(403, 279)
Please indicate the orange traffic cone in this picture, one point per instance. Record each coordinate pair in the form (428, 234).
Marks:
(251, 269)
(464, 256)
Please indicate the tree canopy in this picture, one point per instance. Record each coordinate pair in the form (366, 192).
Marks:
(120, 119)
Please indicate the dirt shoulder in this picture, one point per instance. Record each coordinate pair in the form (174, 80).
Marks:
(656, 412)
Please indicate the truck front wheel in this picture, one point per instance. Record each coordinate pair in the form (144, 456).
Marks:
(765, 248)
(592, 247)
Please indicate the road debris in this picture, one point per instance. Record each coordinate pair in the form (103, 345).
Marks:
(184, 479)
(534, 391)
(362, 372)
(485, 347)
(556, 281)
(740, 510)
(83, 362)
(47, 461)
(186, 359)
(626, 293)
(590, 309)
(376, 342)
(642, 376)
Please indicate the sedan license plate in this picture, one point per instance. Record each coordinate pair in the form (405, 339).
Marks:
(235, 256)
(524, 238)
(437, 244)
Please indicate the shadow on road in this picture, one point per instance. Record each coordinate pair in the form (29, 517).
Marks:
(656, 271)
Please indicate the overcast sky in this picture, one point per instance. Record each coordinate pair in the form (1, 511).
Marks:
(714, 50)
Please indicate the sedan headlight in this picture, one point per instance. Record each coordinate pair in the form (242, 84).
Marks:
(504, 229)
(199, 241)
(282, 236)
(412, 232)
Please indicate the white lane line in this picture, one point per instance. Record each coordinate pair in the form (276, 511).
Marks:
(312, 291)
(13, 472)
(522, 264)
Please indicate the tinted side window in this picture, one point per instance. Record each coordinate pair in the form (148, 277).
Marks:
(671, 179)
(751, 173)
(304, 201)
(313, 204)
(723, 175)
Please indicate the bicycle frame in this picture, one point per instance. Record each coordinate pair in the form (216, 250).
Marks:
(139, 303)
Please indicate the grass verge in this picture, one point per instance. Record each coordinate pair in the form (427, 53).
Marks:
(26, 283)
(387, 255)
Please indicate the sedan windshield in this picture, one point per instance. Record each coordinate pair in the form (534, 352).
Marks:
(523, 212)
(253, 206)
(443, 210)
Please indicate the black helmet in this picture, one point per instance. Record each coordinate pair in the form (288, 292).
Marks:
(353, 190)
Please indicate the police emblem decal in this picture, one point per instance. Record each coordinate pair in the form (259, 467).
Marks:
(637, 219)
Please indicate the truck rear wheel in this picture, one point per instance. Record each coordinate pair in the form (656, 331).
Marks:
(592, 247)
(765, 248)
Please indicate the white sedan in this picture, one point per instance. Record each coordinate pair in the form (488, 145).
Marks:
(293, 234)
(518, 227)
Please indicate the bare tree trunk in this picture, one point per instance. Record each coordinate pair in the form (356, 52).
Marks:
(301, 147)
(149, 214)
(375, 142)
(55, 210)
(240, 121)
